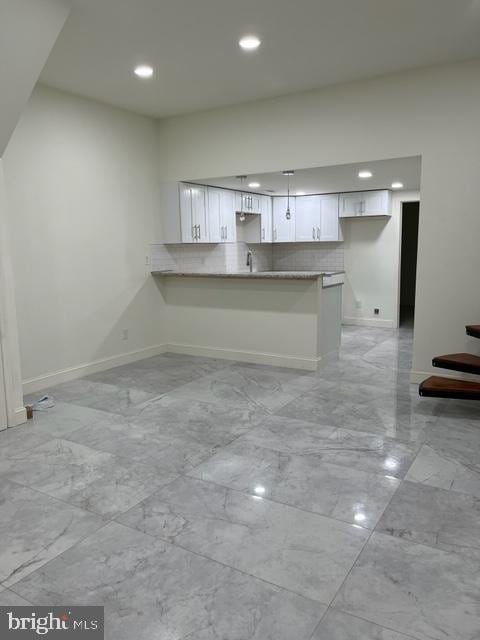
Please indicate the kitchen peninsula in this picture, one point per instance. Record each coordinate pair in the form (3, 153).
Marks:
(283, 318)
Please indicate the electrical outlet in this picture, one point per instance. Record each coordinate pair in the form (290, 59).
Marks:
(125, 334)
(376, 312)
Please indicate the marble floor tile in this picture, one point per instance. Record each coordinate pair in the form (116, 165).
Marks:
(94, 480)
(151, 589)
(247, 387)
(206, 423)
(10, 599)
(337, 625)
(144, 444)
(98, 395)
(21, 438)
(445, 471)
(355, 449)
(363, 408)
(303, 552)
(160, 374)
(305, 482)
(432, 516)
(414, 589)
(64, 418)
(34, 528)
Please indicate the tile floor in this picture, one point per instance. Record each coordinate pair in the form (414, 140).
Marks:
(202, 499)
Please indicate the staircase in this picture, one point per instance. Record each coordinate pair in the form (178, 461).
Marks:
(438, 387)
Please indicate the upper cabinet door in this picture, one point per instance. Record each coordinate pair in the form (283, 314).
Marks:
(215, 226)
(266, 234)
(199, 213)
(329, 225)
(378, 203)
(188, 230)
(283, 229)
(228, 229)
(365, 203)
(307, 219)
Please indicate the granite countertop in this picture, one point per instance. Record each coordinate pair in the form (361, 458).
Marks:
(278, 275)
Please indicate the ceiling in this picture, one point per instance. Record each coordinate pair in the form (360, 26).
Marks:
(335, 179)
(192, 44)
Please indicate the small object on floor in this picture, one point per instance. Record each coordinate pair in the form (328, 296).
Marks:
(45, 402)
(29, 411)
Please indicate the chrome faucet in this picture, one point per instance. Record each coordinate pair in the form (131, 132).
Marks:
(250, 261)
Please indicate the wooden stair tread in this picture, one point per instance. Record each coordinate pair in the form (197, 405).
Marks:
(465, 362)
(473, 330)
(437, 387)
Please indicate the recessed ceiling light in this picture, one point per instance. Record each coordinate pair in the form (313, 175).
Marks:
(300, 193)
(253, 185)
(365, 174)
(249, 43)
(397, 185)
(143, 71)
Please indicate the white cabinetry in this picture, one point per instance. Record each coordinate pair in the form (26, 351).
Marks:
(266, 232)
(307, 219)
(329, 226)
(221, 215)
(283, 229)
(193, 213)
(248, 202)
(316, 219)
(365, 203)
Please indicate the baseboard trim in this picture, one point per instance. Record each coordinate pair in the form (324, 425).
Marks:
(40, 383)
(255, 357)
(369, 322)
(32, 385)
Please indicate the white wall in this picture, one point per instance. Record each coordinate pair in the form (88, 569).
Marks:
(82, 183)
(28, 30)
(372, 263)
(430, 112)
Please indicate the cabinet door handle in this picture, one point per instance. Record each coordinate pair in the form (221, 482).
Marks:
(199, 233)
(313, 233)
(226, 233)
(263, 233)
(194, 232)
(318, 233)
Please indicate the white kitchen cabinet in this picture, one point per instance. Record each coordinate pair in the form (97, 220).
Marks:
(248, 202)
(283, 229)
(329, 225)
(316, 219)
(307, 219)
(221, 215)
(266, 232)
(193, 213)
(365, 203)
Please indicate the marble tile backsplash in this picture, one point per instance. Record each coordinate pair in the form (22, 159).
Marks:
(232, 257)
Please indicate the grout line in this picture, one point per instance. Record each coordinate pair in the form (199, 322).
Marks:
(219, 562)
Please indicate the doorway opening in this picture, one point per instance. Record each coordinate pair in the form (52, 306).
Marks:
(408, 262)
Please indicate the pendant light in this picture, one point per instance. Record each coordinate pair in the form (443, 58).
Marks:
(288, 173)
(242, 212)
